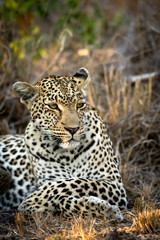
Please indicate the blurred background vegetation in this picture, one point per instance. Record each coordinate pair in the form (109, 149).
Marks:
(118, 41)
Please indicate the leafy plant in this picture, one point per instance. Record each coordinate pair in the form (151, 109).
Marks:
(26, 19)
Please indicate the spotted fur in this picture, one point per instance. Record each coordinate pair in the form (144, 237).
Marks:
(65, 162)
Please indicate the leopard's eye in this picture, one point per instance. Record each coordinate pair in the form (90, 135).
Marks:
(53, 105)
(81, 105)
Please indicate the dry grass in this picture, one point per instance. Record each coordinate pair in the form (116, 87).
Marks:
(81, 229)
(147, 221)
(122, 96)
(50, 227)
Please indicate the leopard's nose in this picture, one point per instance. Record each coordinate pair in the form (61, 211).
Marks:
(72, 131)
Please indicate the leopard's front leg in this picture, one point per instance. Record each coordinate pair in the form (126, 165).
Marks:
(89, 206)
(72, 196)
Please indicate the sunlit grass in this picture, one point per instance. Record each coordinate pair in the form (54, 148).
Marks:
(82, 229)
(138, 222)
(59, 228)
(147, 221)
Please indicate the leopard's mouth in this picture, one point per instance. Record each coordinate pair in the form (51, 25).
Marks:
(70, 144)
(68, 141)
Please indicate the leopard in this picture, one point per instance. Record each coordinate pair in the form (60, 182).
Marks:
(65, 162)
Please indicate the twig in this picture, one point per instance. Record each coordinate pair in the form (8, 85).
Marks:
(8, 52)
(9, 61)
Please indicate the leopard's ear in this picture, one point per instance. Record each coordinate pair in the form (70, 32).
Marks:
(26, 92)
(81, 78)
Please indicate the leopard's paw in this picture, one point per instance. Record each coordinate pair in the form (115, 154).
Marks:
(113, 212)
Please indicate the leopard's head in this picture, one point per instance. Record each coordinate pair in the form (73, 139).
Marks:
(57, 106)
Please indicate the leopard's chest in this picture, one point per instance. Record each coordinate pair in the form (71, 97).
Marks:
(58, 169)
(64, 164)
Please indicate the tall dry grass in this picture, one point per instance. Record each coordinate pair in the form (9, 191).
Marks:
(122, 95)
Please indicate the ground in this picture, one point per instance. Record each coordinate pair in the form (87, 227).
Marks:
(56, 228)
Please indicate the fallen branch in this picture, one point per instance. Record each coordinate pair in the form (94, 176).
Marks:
(143, 77)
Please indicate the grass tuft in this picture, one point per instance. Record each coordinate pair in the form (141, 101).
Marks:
(147, 221)
(82, 229)
(20, 223)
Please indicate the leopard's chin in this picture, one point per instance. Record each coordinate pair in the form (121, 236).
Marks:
(69, 144)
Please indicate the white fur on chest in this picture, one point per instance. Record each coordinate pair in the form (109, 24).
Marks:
(63, 164)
